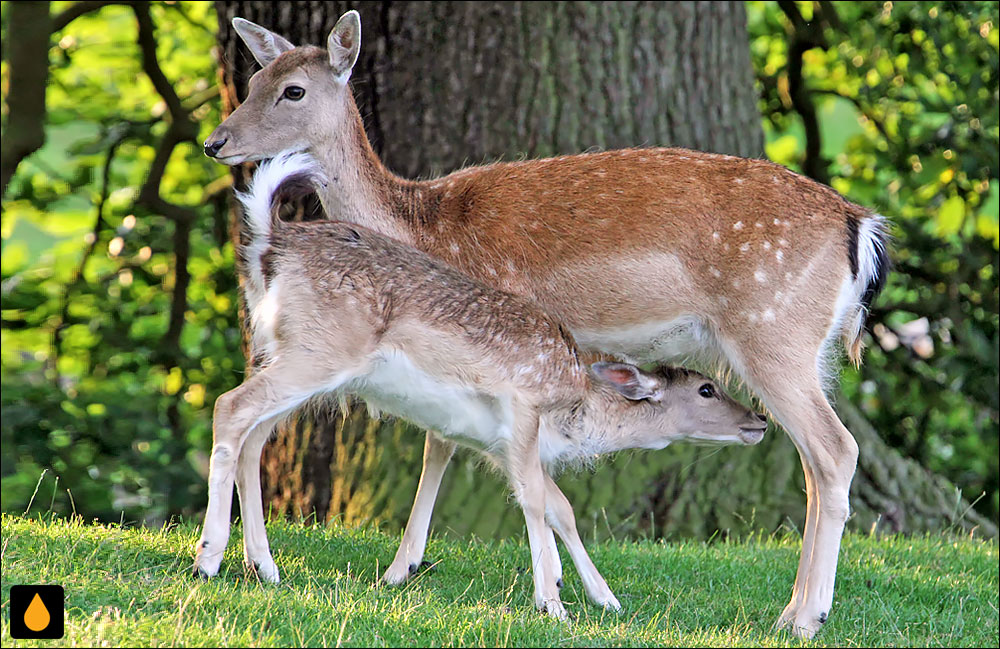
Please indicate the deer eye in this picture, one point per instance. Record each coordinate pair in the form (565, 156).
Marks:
(707, 391)
(294, 93)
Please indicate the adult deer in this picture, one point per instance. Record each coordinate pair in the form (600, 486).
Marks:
(337, 309)
(644, 254)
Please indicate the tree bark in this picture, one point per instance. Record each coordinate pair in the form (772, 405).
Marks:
(443, 85)
(28, 55)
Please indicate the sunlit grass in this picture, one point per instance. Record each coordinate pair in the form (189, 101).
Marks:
(133, 587)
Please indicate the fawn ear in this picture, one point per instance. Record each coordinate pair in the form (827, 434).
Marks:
(264, 44)
(344, 44)
(629, 380)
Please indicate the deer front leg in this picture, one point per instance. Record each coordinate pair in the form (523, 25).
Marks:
(437, 454)
(256, 551)
(238, 413)
(559, 513)
(524, 467)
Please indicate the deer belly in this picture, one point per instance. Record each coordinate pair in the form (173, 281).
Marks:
(682, 338)
(397, 386)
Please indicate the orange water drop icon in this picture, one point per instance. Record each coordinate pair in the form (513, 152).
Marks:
(37, 616)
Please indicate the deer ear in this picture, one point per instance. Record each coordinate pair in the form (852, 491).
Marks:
(629, 380)
(264, 44)
(344, 44)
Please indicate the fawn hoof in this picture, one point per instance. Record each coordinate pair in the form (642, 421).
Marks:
(265, 570)
(800, 623)
(394, 575)
(205, 565)
(559, 583)
(611, 603)
(554, 608)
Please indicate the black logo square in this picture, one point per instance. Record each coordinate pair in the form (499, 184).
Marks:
(37, 612)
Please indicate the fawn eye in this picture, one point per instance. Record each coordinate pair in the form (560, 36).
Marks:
(707, 391)
(294, 93)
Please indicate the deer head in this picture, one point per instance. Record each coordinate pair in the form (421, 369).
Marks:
(297, 90)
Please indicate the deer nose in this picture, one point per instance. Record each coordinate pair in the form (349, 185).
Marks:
(211, 148)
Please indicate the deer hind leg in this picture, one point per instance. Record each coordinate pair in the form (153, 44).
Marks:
(527, 477)
(559, 513)
(437, 454)
(791, 389)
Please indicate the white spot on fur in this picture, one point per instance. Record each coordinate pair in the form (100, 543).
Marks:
(744, 247)
(782, 242)
(715, 271)
(738, 225)
(767, 245)
(738, 181)
(760, 276)
(780, 256)
(453, 247)
(758, 224)
(716, 236)
(768, 316)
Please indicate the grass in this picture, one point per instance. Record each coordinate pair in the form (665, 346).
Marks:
(132, 587)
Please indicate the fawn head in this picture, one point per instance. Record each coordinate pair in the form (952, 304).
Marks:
(679, 404)
(296, 92)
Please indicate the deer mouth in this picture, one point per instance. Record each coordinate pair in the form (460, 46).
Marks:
(751, 436)
(232, 160)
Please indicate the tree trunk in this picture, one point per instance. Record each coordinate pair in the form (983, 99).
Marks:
(442, 85)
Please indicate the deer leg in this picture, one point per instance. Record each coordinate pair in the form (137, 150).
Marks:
(256, 551)
(527, 477)
(239, 412)
(437, 454)
(550, 539)
(792, 392)
(559, 513)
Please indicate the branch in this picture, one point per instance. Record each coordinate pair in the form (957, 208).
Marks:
(181, 129)
(805, 36)
(178, 303)
(64, 18)
(151, 66)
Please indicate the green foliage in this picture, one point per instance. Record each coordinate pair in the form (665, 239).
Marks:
(90, 387)
(132, 587)
(907, 102)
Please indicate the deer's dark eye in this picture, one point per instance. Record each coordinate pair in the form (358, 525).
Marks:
(294, 93)
(707, 391)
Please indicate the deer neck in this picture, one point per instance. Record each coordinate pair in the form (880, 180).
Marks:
(359, 188)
